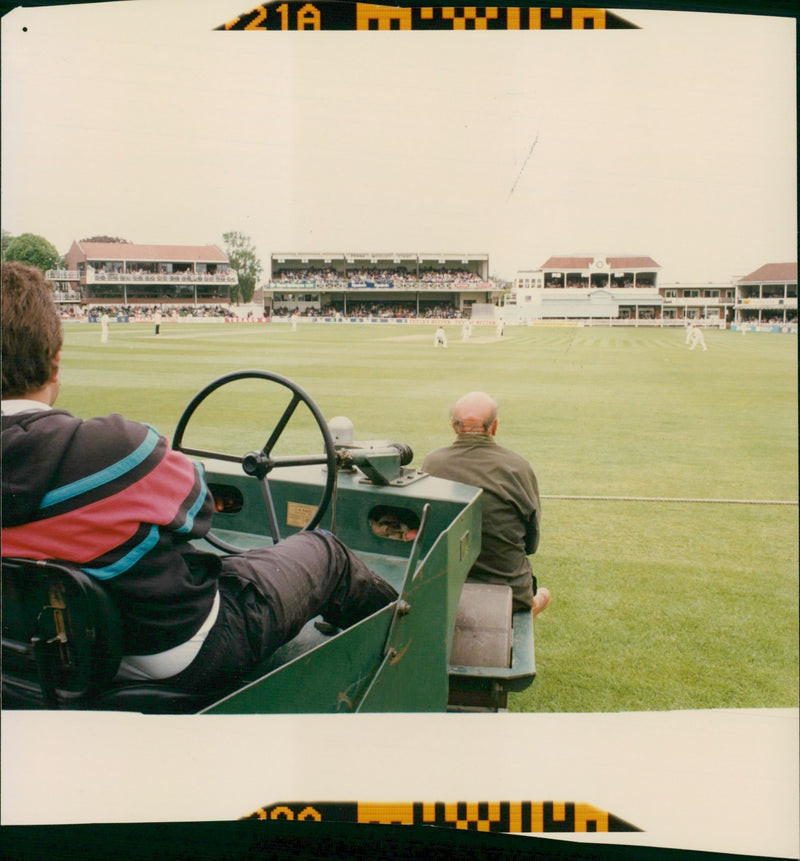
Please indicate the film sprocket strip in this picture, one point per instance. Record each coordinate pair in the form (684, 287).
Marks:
(509, 817)
(335, 15)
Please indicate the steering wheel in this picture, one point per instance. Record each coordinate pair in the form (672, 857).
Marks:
(260, 463)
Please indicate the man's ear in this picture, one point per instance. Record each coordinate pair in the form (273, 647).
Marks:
(493, 427)
(53, 385)
(55, 368)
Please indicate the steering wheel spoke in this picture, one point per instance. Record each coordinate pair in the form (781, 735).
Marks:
(198, 452)
(282, 422)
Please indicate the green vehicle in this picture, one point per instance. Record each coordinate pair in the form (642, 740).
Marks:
(440, 646)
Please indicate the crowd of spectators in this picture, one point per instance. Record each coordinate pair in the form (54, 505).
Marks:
(597, 282)
(448, 275)
(354, 278)
(769, 321)
(360, 310)
(167, 311)
(307, 275)
(165, 271)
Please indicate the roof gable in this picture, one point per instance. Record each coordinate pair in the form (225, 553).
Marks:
(156, 253)
(773, 272)
(584, 261)
(632, 263)
(567, 263)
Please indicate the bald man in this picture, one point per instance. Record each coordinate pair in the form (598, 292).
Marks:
(511, 508)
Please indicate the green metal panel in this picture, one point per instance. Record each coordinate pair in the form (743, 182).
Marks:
(330, 678)
(414, 678)
(378, 665)
(354, 501)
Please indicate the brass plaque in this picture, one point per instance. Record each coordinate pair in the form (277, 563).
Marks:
(298, 514)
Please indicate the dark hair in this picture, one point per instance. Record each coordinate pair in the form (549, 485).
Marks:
(31, 330)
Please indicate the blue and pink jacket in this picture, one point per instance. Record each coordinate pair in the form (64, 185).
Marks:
(110, 495)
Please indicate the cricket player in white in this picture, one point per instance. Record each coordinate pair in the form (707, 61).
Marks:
(694, 336)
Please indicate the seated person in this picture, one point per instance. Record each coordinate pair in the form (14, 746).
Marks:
(110, 495)
(510, 502)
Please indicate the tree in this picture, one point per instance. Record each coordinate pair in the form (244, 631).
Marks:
(7, 238)
(115, 239)
(242, 256)
(33, 250)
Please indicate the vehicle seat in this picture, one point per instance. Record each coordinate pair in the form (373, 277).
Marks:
(62, 645)
(483, 633)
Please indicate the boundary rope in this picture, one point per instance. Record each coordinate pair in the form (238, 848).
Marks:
(674, 499)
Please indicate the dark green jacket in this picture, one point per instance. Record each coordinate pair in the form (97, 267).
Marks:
(510, 504)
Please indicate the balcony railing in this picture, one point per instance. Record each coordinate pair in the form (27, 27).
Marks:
(93, 277)
(61, 275)
(772, 302)
(697, 300)
(326, 285)
(66, 296)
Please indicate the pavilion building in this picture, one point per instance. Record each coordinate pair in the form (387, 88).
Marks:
(127, 273)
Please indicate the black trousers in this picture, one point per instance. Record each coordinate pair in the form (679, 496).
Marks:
(267, 595)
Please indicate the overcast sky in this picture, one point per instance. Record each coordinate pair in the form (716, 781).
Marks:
(138, 120)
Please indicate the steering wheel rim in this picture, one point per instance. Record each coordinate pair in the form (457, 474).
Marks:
(260, 463)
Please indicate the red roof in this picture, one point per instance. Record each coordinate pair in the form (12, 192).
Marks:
(130, 251)
(782, 272)
(632, 263)
(585, 262)
(568, 263)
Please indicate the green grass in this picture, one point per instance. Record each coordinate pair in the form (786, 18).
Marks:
(656, 605)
